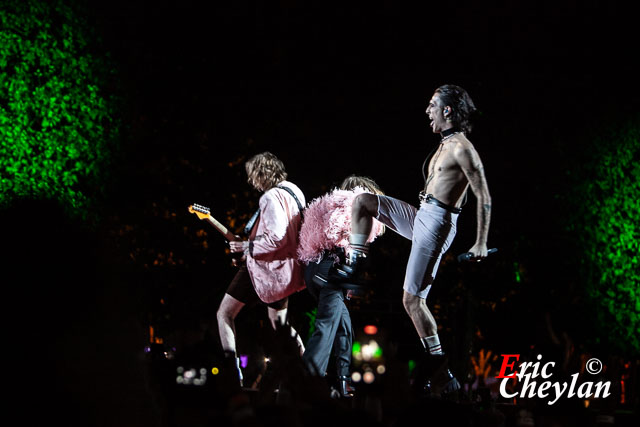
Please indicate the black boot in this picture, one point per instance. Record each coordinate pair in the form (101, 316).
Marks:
(348, 269)
(345, 389)
(440, 382)
(345, 274)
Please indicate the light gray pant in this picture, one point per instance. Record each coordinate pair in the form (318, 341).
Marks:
(431, 230)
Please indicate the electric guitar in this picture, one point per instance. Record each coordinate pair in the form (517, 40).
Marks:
(204, 212)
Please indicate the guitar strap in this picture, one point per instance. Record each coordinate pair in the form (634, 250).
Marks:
(252, 222)
(256, 215)
(290, 191)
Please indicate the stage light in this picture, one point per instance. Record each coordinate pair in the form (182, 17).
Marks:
(190, 376)
(356, 350)
(368, 377)
(215, 370)
(356, 377)
(370, 329)
(244, 360)
(377, 353)
(371, 351)
(381, 369)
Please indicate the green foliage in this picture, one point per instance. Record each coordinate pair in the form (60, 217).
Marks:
(57, 124)
(605, 223)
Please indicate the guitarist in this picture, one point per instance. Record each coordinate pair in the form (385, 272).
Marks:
(271, 272)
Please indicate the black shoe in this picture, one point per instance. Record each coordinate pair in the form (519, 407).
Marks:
(440, 382)
(342, 275)
(445, 386)
(345, 389)
(348, 270)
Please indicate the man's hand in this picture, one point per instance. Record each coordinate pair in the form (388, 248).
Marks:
(238, 262)
(479, 251)
(237, 246)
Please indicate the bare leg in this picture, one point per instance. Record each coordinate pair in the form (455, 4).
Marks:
(363, 210)
(439, 377)
(420, 315)
(279, 318)
(227, 312)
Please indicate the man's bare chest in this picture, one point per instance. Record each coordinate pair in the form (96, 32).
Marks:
(443, 161)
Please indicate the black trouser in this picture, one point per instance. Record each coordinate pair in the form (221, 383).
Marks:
(332, 327)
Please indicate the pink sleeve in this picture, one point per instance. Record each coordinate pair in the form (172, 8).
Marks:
(272, 228)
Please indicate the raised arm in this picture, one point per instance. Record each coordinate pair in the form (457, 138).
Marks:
(470, 163)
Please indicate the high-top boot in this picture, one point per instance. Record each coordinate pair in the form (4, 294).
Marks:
(345, 389)
(439, 379)
(348, 269)
(345, 274)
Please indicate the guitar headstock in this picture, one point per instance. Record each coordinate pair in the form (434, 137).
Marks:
(201, 211)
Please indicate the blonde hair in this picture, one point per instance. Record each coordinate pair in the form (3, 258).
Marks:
(353, 181)
(265, 171)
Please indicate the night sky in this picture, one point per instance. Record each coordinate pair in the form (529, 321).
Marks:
(341, 89)
(335, 90)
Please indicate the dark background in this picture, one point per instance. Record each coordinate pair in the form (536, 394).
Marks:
(333, 89)
(341, 89)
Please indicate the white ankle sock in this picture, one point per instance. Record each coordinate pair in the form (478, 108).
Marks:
(432, 344)
(358, 243)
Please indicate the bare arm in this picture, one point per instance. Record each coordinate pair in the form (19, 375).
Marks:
(470, 163)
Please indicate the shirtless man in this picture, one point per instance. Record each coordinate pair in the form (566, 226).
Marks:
(454, 167)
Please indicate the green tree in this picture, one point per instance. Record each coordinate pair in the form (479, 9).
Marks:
(605, 218)
(57, 118)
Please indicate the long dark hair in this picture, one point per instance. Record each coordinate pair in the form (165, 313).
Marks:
(460, 101)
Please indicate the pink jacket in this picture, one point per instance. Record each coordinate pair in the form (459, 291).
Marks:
(272, 261)
(327, 224)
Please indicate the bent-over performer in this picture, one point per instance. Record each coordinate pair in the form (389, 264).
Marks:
(323, 236)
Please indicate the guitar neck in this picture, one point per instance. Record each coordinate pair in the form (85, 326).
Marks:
(221, 228)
